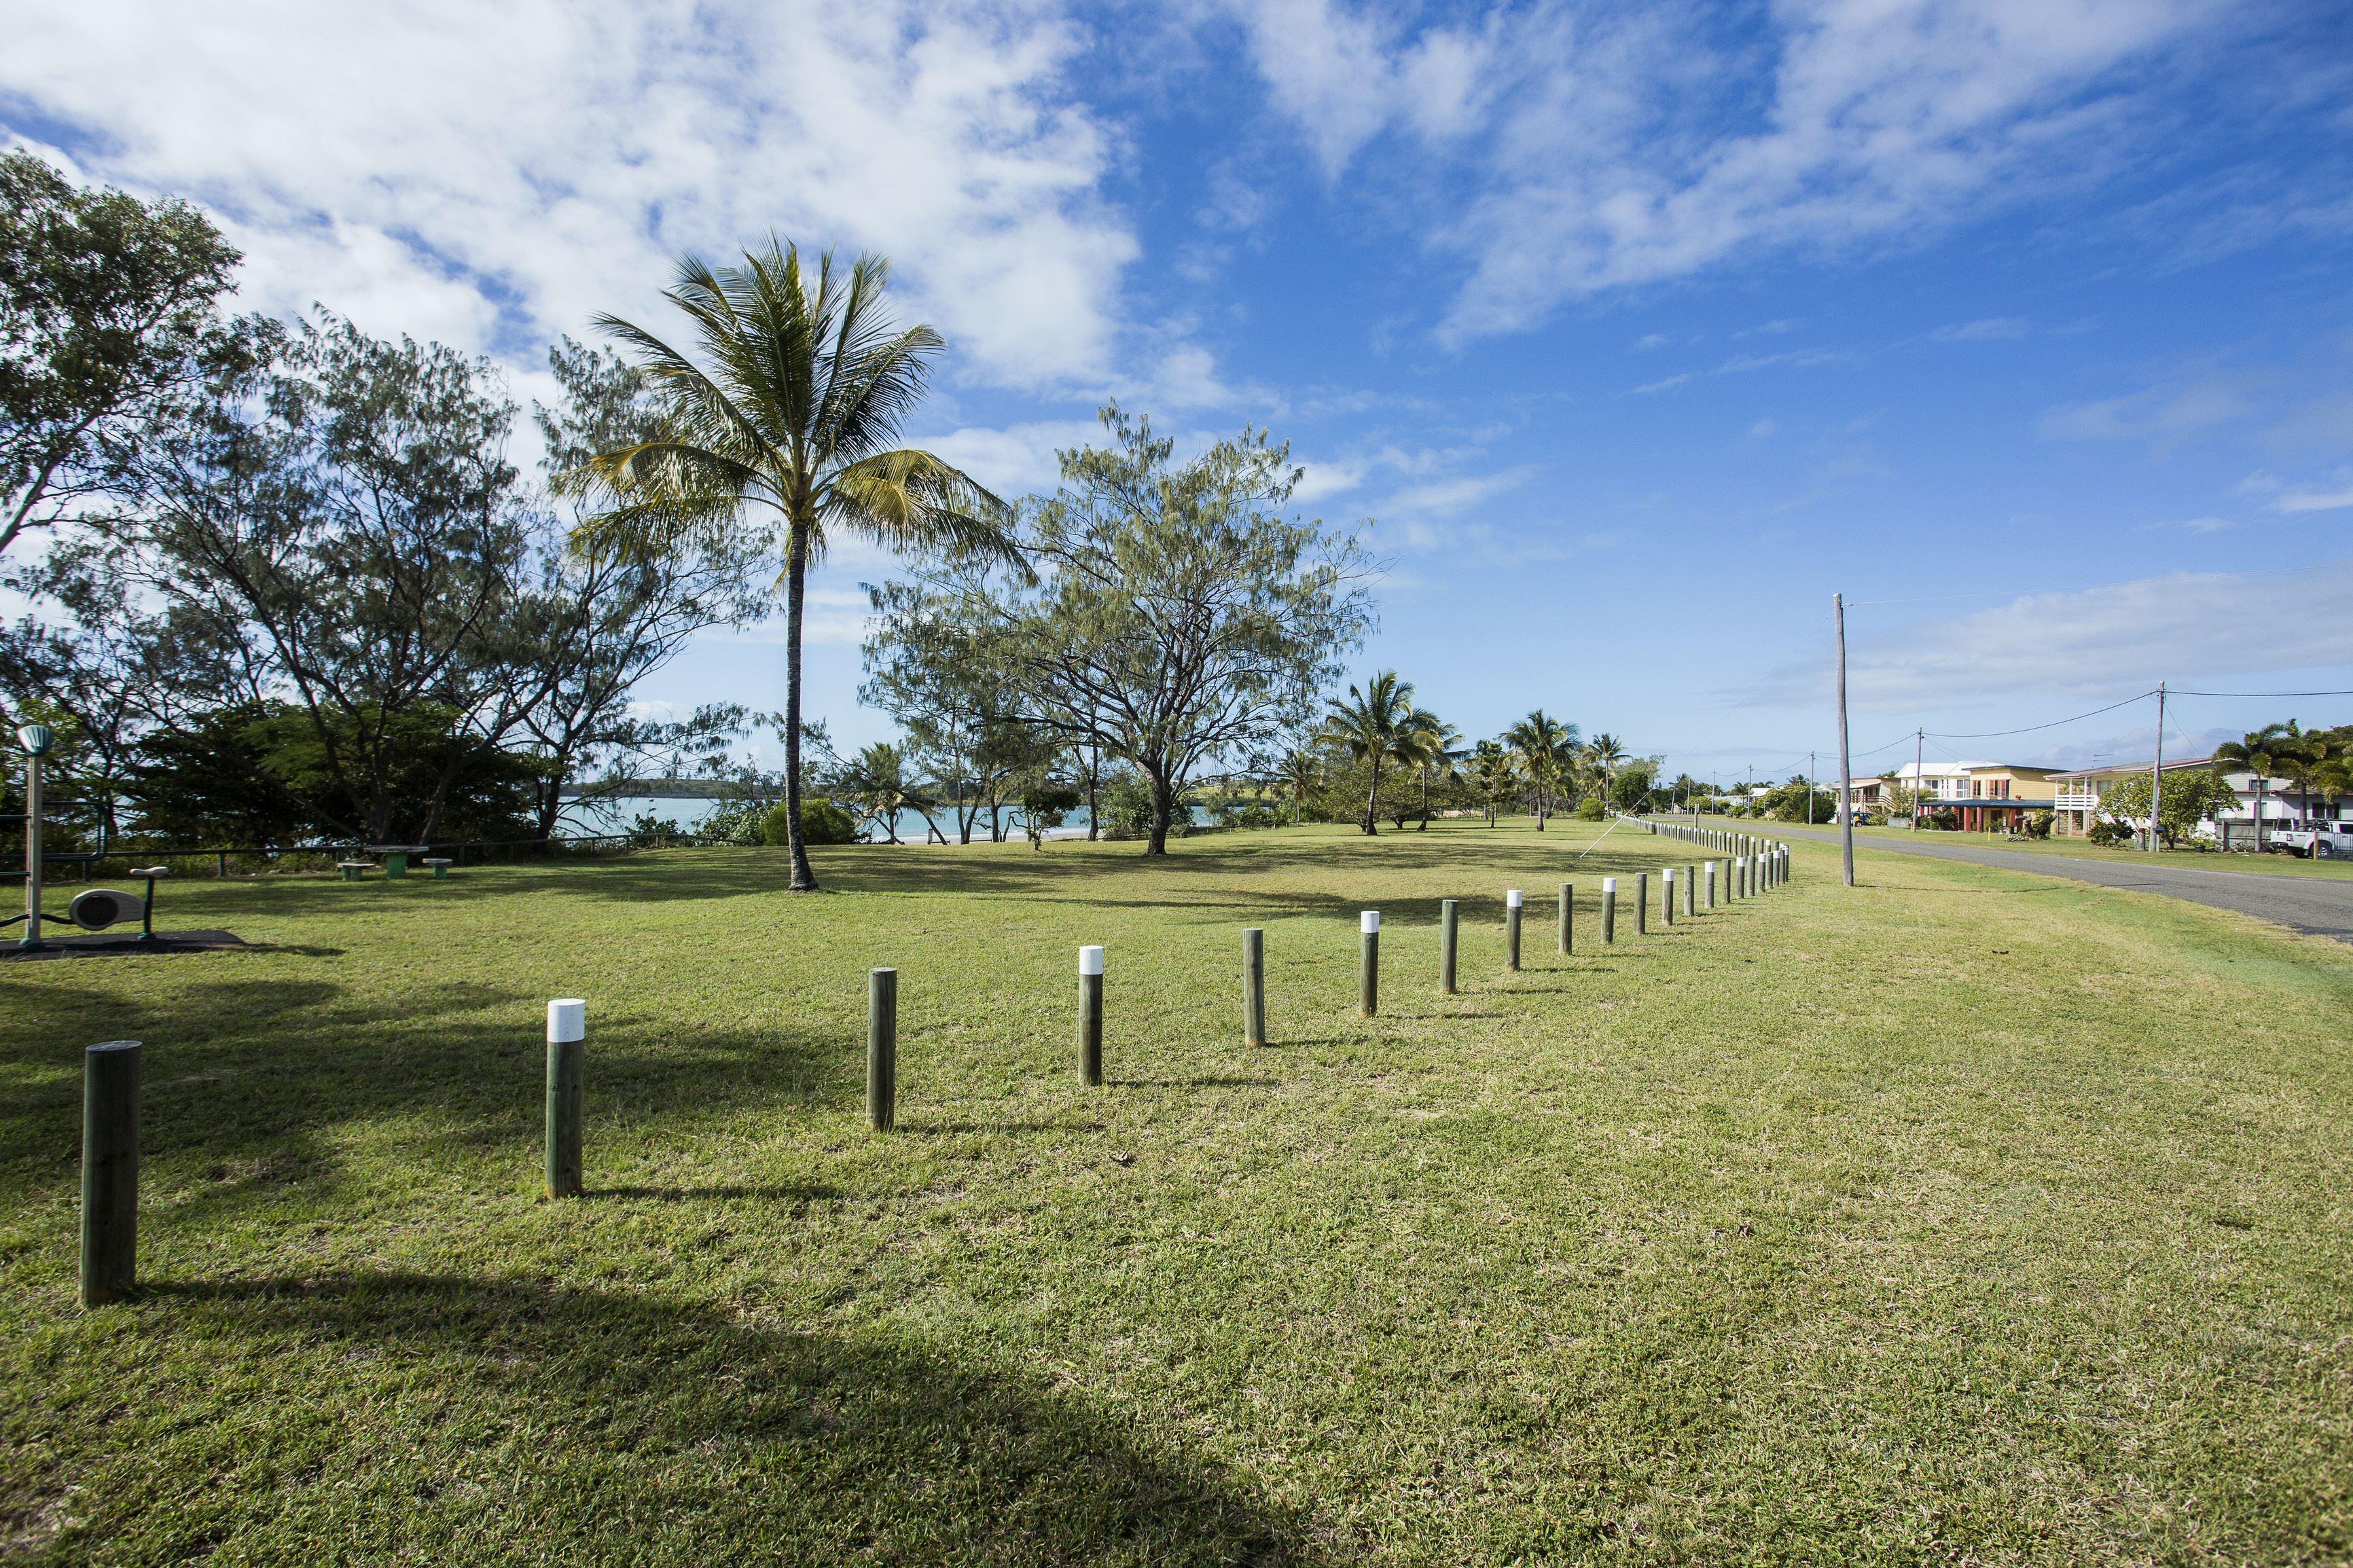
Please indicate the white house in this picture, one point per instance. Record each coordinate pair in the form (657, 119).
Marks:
(2284, 804)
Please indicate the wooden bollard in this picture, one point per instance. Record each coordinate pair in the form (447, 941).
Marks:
(1511, 902)
(1253, 986)
(1368, 970)
(1609, 910)
(1642, 903)
(881, 1049)
(1691, 891)
(1711, 886)
(1568, 917)
(567, 1034)
(1667, 896)
(1090, 981)
(110, 1172)
(1448, 912)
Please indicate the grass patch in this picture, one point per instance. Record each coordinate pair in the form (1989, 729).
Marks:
(1970, 1214)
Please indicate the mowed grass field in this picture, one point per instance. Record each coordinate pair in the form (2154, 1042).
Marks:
(2271, 863)
(1967, 1216)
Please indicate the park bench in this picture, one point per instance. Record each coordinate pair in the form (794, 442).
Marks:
(440, 868)
(354, 871)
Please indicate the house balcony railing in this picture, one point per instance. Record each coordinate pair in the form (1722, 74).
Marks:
(2075, 800)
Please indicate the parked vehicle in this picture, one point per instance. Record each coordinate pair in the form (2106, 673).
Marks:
(2331, 841)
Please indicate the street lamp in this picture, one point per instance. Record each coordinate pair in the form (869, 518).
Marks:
(35, 739)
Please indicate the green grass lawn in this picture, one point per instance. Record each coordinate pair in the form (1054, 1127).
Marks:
(2272, 865)
(1967, 1216)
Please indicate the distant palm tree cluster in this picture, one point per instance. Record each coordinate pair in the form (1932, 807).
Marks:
(1391, 758)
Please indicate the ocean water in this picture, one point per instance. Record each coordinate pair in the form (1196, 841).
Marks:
(613, 814)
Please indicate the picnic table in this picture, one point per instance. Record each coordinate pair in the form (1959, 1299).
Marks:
(396, 855)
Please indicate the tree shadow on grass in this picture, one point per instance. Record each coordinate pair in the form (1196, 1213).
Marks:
(426, 1412)
(247, 1082)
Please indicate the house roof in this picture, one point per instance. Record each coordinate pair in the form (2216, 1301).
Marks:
(2121, 770)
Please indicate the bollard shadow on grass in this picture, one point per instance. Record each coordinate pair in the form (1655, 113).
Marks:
(711, 1436)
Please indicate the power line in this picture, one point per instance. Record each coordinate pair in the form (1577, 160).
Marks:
(2179, 693)
(2029, 730)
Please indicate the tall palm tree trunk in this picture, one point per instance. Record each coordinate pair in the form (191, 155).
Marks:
(1372, 802)
(803, 880)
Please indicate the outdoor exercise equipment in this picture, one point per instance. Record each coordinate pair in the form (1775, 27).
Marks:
(93, 909)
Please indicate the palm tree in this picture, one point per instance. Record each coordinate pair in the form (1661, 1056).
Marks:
(1300, 772)
(1490, 765)
(1437, 746)
(1538, 745)
(783, 432)
(878, 780)
(2261, 753)
(1376, 727)
(1605, 752)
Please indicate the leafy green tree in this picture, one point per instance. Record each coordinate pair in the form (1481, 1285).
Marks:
(2191, 797)
(1183, 620)
(106, 307)
(340, 518)
(783, 435)
(1377, 726)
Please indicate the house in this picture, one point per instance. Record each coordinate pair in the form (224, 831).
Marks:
(2284, 804)
(1987, 797)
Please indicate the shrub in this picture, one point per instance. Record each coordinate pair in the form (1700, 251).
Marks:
(2038, 824)
(822, 822)
(2106, 831)
(1590, 809)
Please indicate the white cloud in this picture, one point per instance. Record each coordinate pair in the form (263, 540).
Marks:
(1763, 428)
(1991, 328)
(1665, 383)
(494, 177)
(2162, 414)
(1600, 152)
(2314, 501)
(1017, 458)
(2098, 642)
(1445, 498)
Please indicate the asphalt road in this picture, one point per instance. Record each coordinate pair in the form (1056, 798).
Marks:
(2323, 906)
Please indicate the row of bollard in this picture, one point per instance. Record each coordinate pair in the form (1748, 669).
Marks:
(110, 1075)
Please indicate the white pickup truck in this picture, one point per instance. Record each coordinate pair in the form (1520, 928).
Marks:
(2332, 842)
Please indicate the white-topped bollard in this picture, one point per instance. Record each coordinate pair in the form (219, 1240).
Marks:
(1609, 910)
(1667, 896)
(1513, 902)
(567, 1035)
(1368, 971)
(1090, 989)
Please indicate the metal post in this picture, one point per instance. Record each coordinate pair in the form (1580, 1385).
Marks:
(31, 941)
(1568, 917)
(1090, 989)
(1609, 910)
(1368, 971)
(1448, 911)
(110, 1172)
(1511, 902)
(881, 1049)
(567, 1030)
(1253, 986)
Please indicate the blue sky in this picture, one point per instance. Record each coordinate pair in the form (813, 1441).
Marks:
(1634, 331)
